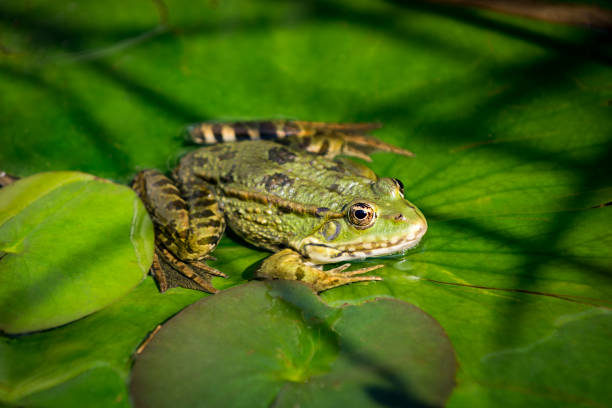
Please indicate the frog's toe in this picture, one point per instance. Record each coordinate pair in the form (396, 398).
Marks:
(207, 269)
(158, 273)
(335, 280)
(359, 145)
(337, 277)
(340, 270)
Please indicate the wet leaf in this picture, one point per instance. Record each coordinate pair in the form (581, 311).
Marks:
(70, 245)
(277, 343)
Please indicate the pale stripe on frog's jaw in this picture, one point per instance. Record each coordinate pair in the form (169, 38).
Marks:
(322, 253)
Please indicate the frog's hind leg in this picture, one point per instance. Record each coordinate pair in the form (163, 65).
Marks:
(290, 265)
(208, 133)
(327, 139)
(187, 229)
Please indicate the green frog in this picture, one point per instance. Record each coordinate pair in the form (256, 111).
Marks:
(281, 186)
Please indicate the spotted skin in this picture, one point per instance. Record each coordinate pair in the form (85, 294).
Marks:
(283, 189)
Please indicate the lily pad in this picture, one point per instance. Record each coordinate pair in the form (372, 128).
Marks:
(277, 342)
(70, 245)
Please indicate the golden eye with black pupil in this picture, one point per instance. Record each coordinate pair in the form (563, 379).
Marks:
(361, 215)
(400, 185)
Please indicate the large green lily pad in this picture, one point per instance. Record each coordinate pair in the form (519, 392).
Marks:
(509, 119)
(70, 244)
(278, 344)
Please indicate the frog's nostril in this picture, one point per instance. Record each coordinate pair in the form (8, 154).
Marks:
(400, 217)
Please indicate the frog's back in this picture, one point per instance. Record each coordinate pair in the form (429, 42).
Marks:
(273, 194)
(270, 168)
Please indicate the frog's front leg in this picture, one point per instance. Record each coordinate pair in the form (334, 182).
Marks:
(289, 264)
(187, 229)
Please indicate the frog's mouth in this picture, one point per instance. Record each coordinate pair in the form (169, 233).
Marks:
(322, 253)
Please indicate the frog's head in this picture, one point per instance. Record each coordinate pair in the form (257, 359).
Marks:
(380, 224)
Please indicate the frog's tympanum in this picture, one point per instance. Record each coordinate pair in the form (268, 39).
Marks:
(280, 187)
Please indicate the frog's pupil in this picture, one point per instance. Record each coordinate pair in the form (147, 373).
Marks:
(360, 214)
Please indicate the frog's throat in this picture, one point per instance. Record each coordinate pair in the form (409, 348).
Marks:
(322, 253)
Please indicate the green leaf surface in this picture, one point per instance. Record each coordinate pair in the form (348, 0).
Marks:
(70, 245)
(285, 347)
(86, 362)
(509, 119)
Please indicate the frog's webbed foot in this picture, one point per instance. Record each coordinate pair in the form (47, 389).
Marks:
(290, 265)
(350, 144)
(171, 272)
(186, 231)
(362, 146)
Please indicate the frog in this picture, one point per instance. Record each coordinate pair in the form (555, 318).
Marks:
(286, 186)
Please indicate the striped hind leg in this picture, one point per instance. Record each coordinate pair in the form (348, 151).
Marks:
(321, 138)
(208, 133)
(187, 229)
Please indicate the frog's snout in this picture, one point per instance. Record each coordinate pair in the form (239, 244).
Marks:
(417, 224)
(420, 229)
(416, 230)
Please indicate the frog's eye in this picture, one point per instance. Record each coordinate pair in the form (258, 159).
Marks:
(400, 186)
(361, 215)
